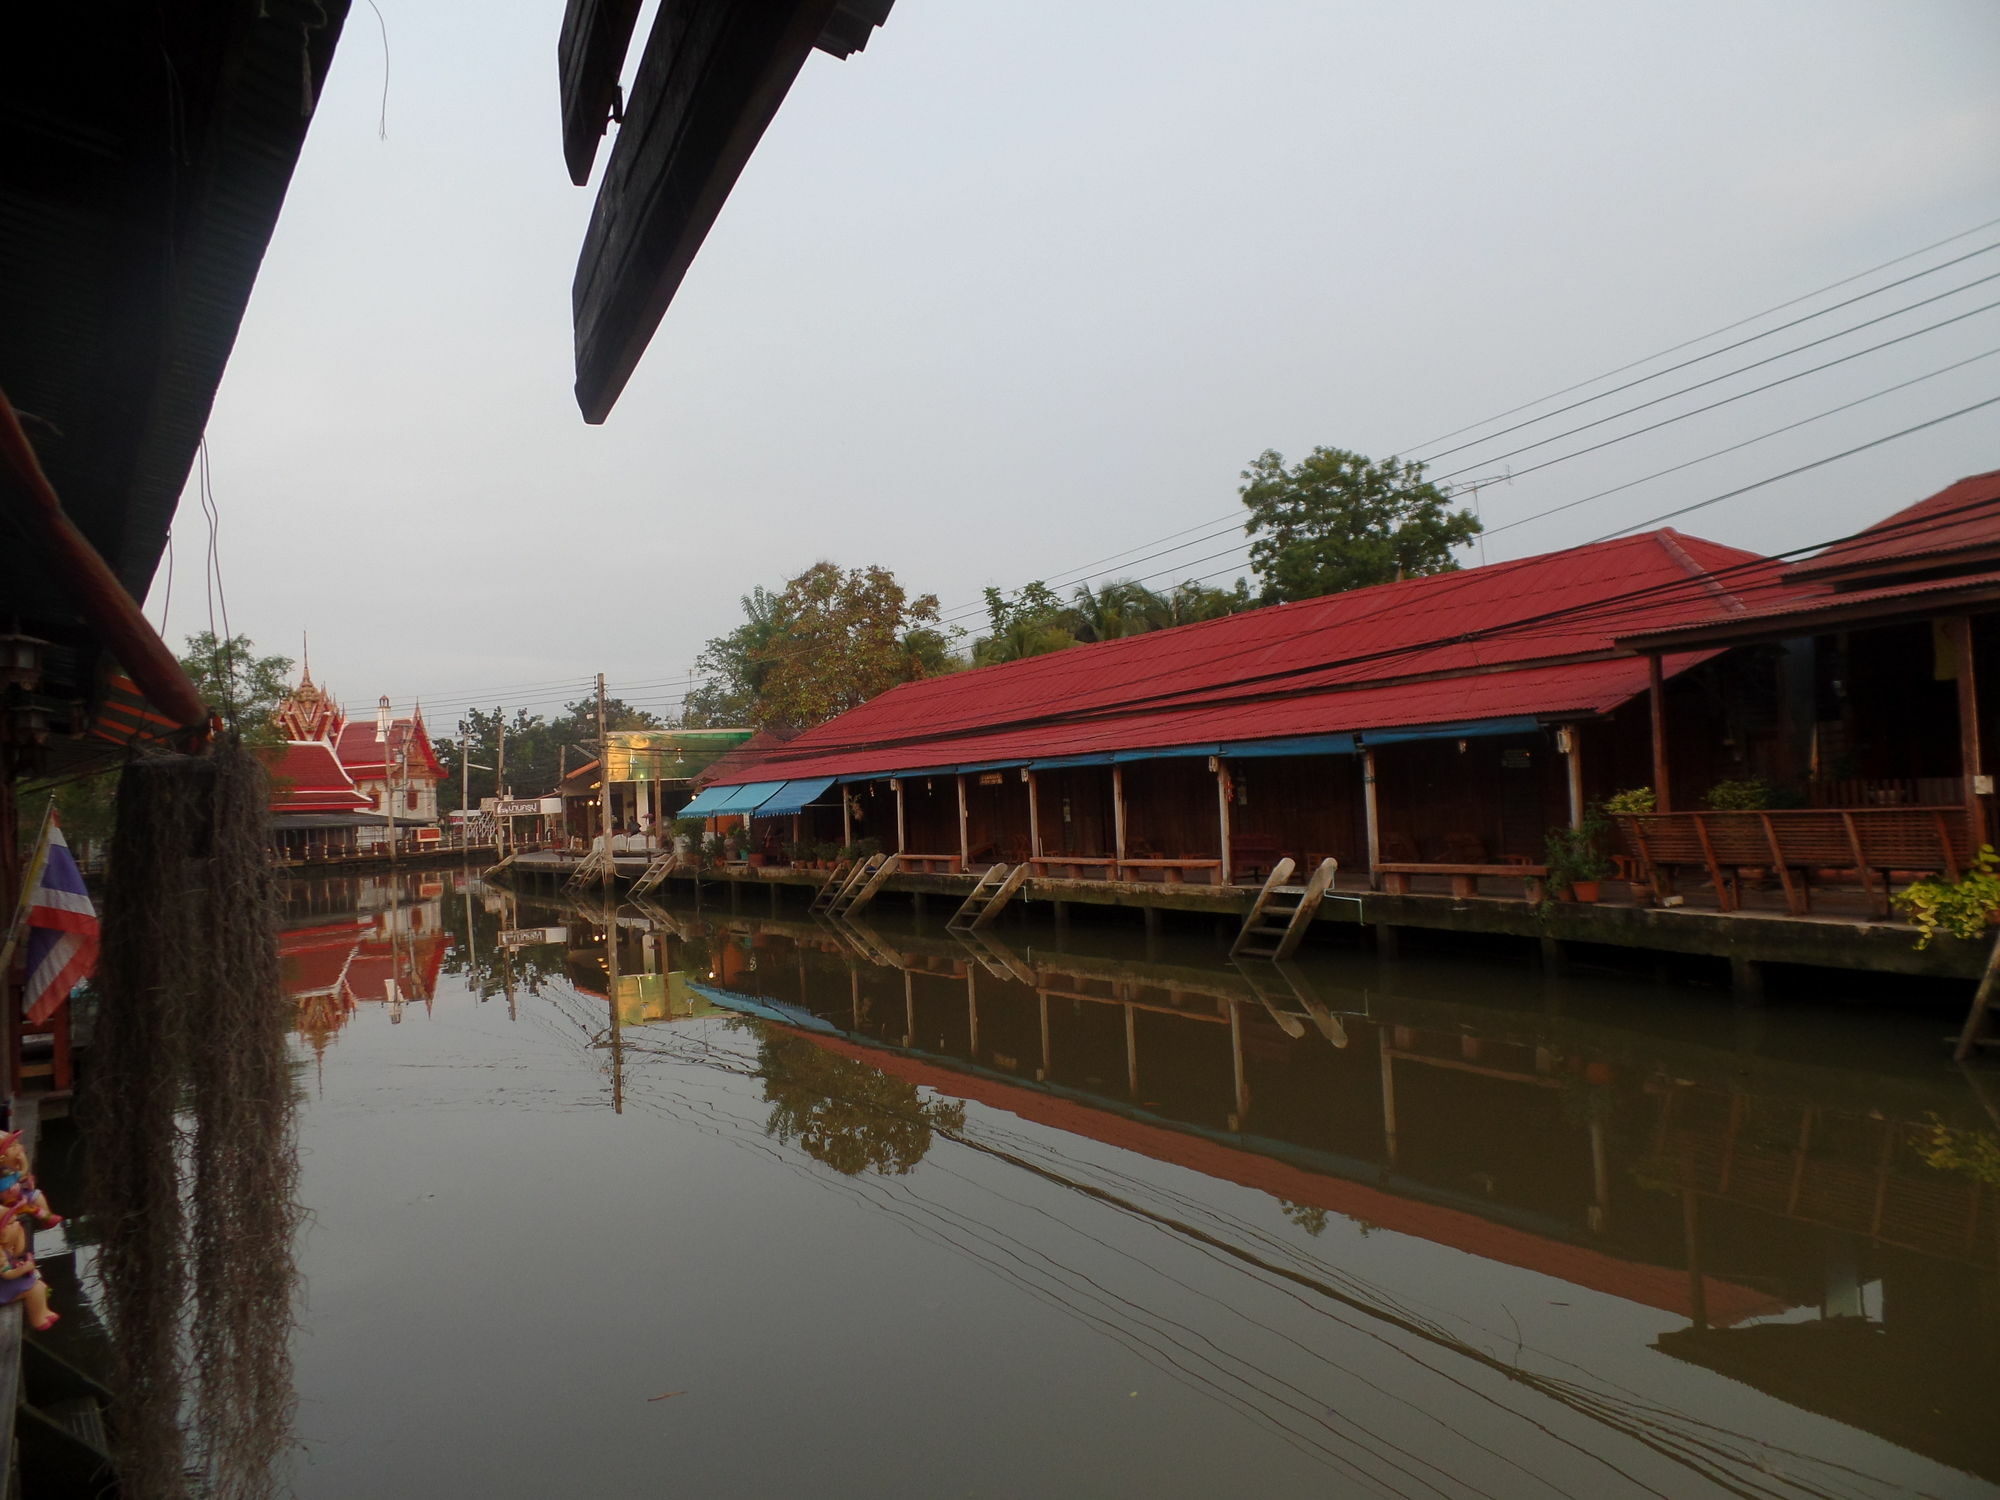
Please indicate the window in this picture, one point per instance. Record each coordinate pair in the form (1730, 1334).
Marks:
(410, 799)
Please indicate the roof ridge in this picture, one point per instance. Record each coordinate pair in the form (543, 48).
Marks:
(1670, 542)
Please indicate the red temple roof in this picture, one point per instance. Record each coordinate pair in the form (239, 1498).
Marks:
(361, 752)
(1530, 637)
(306, 778)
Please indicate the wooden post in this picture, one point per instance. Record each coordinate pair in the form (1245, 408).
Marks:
(964, 835)
(846, 818)
(1118, 818)
(1388, 1096)
(1242, 1115)
(1960, 628)
(902, 839)
(1572, 738)
(1222, 819)
(972, 1010)
(1656, 693)
(909, 1009)
(1373, 813)
(604, 793)
(1043, 997)
(611, 964)
(1034, 818)
(1131, 1052)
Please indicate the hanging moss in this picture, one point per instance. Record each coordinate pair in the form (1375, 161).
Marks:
(188, 1113)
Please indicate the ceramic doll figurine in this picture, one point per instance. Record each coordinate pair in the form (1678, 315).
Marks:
(17, 1183)
(19, 1280)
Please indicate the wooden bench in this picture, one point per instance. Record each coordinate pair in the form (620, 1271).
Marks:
(1395, 876)
(1253, 854)
(1075, 866)
(928, 864)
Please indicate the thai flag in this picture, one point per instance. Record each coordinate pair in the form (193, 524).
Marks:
(62, 927)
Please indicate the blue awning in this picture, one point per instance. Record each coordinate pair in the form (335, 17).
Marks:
(1522, 724)
(1296, 744)
(794, 796)
(1059, 762)
(751, 796)
(707, 802)
(1170, 752)
(758, 1005)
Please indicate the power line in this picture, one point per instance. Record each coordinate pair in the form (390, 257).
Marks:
(1712, 333)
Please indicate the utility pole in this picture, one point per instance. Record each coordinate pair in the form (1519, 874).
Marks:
(382, 726)
(501, 839)
(604, 789)
(464, 792)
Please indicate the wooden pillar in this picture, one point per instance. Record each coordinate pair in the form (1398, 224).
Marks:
(1571, 736)
(1118, 818)
(902, 839)
(1042, 1077)
(1969, 760)
(964, 833)
(1242, 1115)
(846, 819)
(1600, 1177)
(972, 1009)
(854, 995)
(1034, 815)
(1656, 693)
(1388, 1096)
(1373, 814)
(909, 1009)
(1131, 1051)
(1221, 768)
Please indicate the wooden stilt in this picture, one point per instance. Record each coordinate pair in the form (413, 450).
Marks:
(1656, 684)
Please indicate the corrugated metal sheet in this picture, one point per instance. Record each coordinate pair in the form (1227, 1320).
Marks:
(1529, 637)
(1961, 517)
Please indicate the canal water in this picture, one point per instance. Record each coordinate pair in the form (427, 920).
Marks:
(673, 1201)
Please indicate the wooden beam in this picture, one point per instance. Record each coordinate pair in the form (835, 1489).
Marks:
(1118, 813)
(1573, 737)
(590, 55)
(902, 837)
(1656, 695)
(1222, 818)
(1959, 628)
(964, 833)
(712, 76)
(1034, 818)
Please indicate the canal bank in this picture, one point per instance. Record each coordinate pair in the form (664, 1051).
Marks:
(1739, 948)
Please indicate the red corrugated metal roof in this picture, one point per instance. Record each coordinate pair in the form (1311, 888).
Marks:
(1759, 623)
(1964, 517)
(1532, 636)
(305, 777)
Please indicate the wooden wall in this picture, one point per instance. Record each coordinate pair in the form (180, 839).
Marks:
(1311, 804)
(1170, 810)
(996, 815)
(1498, 795)
(1076, 810)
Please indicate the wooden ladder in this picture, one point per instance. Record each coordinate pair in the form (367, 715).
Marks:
(590, 872)
(999, 960)
(824, 897)
(1281, 913)
(1975, 1034)
(863, 886)
(995, 889)
(656, 873)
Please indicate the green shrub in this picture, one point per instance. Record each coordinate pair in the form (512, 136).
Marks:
(1638, 799)
(1959, 907)
(1751, 795)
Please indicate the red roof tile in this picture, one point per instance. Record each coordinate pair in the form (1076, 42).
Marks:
(305, 777)
(1532, 636)
(361, 752)
(1963, 518)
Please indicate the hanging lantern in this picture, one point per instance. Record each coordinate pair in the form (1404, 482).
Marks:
(21, 661)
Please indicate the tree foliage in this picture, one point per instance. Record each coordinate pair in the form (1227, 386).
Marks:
(1338, 520)
(832, 639)
(231, 676)
(1036, 619)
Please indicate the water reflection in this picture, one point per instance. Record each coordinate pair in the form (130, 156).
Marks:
(1432, 1229)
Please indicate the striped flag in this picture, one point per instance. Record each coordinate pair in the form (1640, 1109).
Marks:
(62, 926)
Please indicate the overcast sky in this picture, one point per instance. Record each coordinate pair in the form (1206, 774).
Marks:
(1026, 284)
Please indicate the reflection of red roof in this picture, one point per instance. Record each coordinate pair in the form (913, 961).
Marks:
(1345, 662)
(361, 752)
(414, 963)
(305, 777)
(1960, 523)
(1652, 1286)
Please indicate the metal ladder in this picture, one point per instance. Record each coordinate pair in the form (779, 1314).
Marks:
(1281, 913)
(656, 873)
(823, 898)
(995, 889)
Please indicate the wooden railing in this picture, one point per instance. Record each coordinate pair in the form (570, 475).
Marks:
(1867, 844)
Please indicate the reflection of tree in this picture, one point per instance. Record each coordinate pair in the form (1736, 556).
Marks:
(1308, 1216)
(845, 1113)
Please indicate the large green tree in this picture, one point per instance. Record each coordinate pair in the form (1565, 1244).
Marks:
(733, 667)
(1338, 520)
(538, 749)
(231, 676)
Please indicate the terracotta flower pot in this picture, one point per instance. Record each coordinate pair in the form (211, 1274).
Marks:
(1584, 890)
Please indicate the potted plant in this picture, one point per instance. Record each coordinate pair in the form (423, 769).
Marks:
(1576, 865)
(1964, 907)
(1638, 799)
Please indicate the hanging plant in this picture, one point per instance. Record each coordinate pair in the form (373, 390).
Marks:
(1963, 908)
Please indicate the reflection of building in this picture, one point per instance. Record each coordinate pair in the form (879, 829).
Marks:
(337, 783)
(367, 943)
